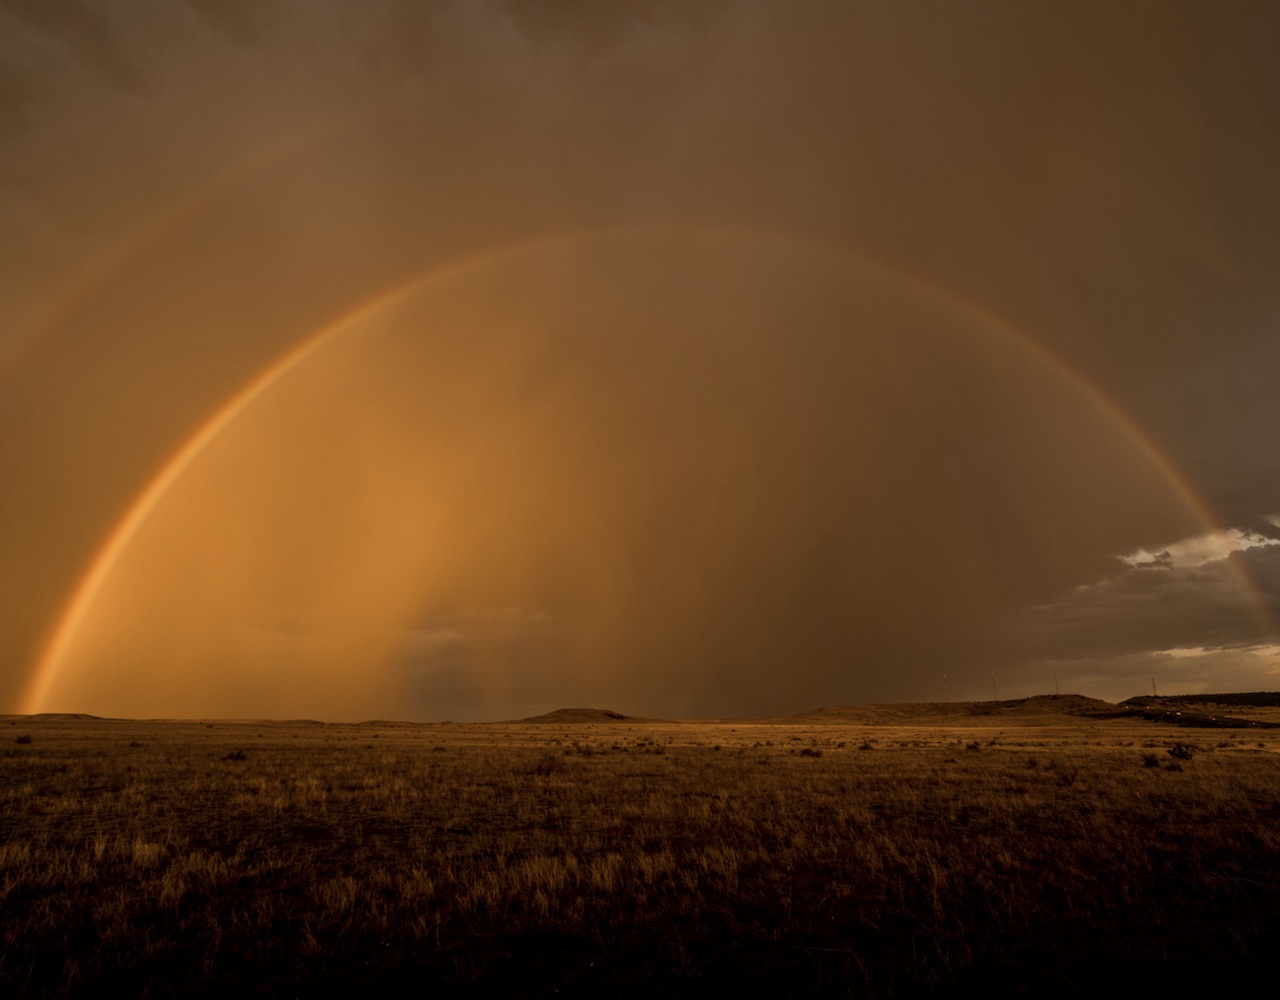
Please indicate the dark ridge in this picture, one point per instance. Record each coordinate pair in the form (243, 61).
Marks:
(905, 712)
(1254, 699)
(392, 723)
(1164, 709)
(581, 715)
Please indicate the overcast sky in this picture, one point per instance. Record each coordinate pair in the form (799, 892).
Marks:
(470, 360)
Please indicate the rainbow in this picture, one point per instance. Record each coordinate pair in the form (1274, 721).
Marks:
(98, 572)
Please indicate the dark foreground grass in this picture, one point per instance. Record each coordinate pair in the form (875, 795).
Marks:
(292, 859)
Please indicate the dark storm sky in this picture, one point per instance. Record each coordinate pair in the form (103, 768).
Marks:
(776, 354)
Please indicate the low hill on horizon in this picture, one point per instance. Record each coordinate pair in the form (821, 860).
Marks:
(580, 715)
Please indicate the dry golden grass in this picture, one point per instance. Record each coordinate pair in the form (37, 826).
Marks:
(783, 858)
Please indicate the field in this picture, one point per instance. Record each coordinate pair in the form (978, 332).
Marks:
(1034, 848)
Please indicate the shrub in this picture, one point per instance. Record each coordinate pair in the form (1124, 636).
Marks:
(548, 764)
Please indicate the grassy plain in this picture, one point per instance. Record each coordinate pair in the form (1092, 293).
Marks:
(899, 851)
